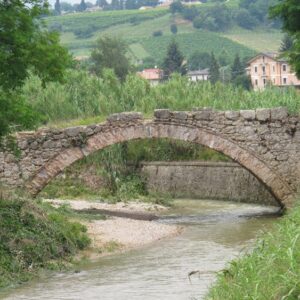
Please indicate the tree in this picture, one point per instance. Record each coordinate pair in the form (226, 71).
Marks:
(286, 43)
(199, 60)
(289, 12)
(101, 3)
(173, 28)
(214, 69)
(176, 7)
(237, 68)
(174, 61)
(82, 6)
(115, 5)
(25, 46)
(57, 7)
(65, 6)
(245, 19)
(110, 53)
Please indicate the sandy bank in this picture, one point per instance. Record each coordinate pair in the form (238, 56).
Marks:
(120, 234)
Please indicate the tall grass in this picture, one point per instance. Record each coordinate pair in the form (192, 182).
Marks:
(86, 96)
(35, 236)
(271, 271)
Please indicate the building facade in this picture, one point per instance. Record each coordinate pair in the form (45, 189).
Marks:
(269, 69)
(198, 75)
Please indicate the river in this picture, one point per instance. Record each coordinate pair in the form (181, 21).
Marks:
(214, 233)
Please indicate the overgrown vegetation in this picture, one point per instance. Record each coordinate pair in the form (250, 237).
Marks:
(35, 236)
(113, 174)
(270, 271)
(85, 96)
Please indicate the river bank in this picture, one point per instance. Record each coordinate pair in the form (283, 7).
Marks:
(270, 271)
(119, 234)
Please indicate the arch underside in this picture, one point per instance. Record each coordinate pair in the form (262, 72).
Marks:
(145, 130)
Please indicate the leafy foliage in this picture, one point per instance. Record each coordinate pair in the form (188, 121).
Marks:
(289, 12)
(199, 60)
(24, 43)
(32, 236)
(174, 61)
(110, 52)
(214, 69)
(16, 113)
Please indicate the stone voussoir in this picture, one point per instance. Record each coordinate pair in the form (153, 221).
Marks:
(248, 115)
(263, 114)
(279, 113)
(162, 114)
(125, 117)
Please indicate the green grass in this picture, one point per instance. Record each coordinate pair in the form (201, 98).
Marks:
(137, 27)
(271, 271)
(203, 41)
(260, 40)
(34, 237)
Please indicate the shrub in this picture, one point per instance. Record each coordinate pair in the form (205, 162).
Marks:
(173, 28)
(157, 33)
(32, 237)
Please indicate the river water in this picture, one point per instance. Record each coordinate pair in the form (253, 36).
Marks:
(214, 233)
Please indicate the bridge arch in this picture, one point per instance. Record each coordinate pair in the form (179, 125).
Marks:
(152, 129)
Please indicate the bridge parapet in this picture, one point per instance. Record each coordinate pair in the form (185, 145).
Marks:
(270, 136)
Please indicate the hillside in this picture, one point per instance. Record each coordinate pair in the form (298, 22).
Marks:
(79, 32)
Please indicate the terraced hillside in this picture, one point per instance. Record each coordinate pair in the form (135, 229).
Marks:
(79, 32)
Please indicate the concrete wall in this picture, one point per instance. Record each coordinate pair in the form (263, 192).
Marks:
(206, 180)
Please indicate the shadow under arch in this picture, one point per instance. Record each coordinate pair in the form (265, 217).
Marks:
(153, 129)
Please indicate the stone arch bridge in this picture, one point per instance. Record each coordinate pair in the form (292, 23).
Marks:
(264, 141)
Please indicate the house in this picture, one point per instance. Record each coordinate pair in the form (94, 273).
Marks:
(198, 75)
(271, 69)
(154, 76)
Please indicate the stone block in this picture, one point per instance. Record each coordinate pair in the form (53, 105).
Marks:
(73, 131)
(279, 113)
(163, 114)
(232, 115)
(204, 114)
(125, 117)
(248, 115)
(180, 115)
(263, 114)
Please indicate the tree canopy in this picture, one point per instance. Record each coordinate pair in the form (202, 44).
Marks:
(174, 61)
(289, 12)
(110, 53)
(26, 47)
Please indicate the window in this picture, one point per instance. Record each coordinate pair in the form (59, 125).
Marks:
(284, 80)
(284, 68)
(265, 81)
(256, 82)
(274, 69)
(255, 69)
(264, 69)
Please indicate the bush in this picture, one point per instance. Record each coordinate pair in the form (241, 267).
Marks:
(173, 28)
(157, 33)
(245, 20)
(34, 236)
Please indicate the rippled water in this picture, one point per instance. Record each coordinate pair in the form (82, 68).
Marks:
(215, 232)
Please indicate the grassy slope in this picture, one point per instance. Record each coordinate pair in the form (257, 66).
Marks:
(137, 27)
(259, 40)
(271, 271)
(33, 237)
